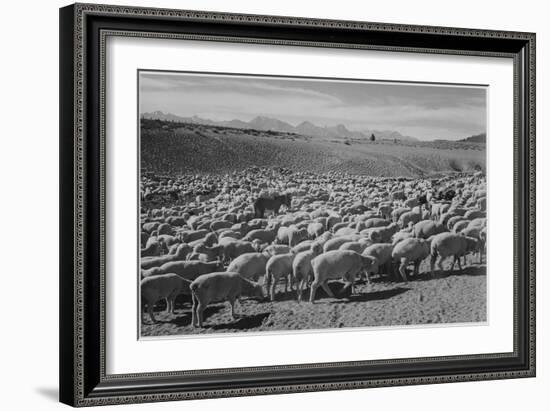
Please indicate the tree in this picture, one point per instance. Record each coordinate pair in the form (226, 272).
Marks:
(372, 138)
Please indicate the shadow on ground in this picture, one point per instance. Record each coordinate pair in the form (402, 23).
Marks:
(243, 323)
(373, 296)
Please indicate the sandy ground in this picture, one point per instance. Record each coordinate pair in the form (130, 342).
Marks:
(449, 297)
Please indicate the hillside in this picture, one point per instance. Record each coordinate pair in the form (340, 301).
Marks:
(306, 128)
(478, 138)
(192, 148)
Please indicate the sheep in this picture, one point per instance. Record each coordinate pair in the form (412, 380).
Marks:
(150, 227)
(396, 214)
(453, 220)
(344, 264)
(167, 286)
(450, 244)
(155, 249)
(304, 246)
(233, 248)
(336, 242)
(383, 234)
(357, 246)
(220, 286)
(409, 217)
(204, 253)
(315, 229)
(382, 252)
(385, 210)
(188, 236)
(249, 265)
(401, 235)
(264, 235)
(182, 251)
(410, 249)
(278, 266)
(275, 249)
(185, 269)
(296, 235)
(301, 267)
(460, 225)
(473, 214)
(427, 228)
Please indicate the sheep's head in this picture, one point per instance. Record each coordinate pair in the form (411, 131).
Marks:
(368, 262)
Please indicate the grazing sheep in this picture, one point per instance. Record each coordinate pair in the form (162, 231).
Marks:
(181, 253)
(278, 266)
(296, 235)
(382, 252)
(460, 225)
(401, 235)
(427, 228)
(335, 264)
(396, 214)
(304, 246)
(220, 286)
(336, 242)
(410, 249)
(450, 244)
(473, 214)
(185, 269)
(315, 229)
(167, 286)
(154, 249)
(202, 252)
(409, 217)
(249, 265)
(275, 249)
(233, 248)
(357, 246)
(383, 234)
(264, 235)
(301, 267)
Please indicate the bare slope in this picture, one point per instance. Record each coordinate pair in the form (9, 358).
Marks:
(192, 148)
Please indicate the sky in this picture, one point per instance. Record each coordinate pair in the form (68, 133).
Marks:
(427, 112)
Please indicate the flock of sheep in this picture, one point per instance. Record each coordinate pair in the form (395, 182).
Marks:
(240, 235)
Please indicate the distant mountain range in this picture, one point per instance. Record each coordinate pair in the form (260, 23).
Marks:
(478, 138)
(267, 123)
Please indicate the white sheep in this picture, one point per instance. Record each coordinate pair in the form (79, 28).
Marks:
(410, 249)
(249, 265)
(336, 264)
(165, 286)
(278, 266)
(450, 244)
(301, 267)
(220, 286)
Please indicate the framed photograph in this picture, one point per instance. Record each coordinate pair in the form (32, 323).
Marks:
(261, 204)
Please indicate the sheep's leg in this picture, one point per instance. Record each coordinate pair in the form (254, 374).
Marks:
(200, 314)
(402, 271)
(299, 290)
(459, 265)
(232, 304)
(194, 311)
(314, 286)
(150, 311)
(272, 288)
(440, 263)
(325, 287)
(416, 267)
(167, 299)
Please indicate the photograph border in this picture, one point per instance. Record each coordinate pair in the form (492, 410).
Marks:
(139, 314)
(83, 32)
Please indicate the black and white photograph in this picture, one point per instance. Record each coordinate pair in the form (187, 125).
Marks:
(272, 203)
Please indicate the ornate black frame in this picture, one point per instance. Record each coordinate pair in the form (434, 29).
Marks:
(83, 30)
